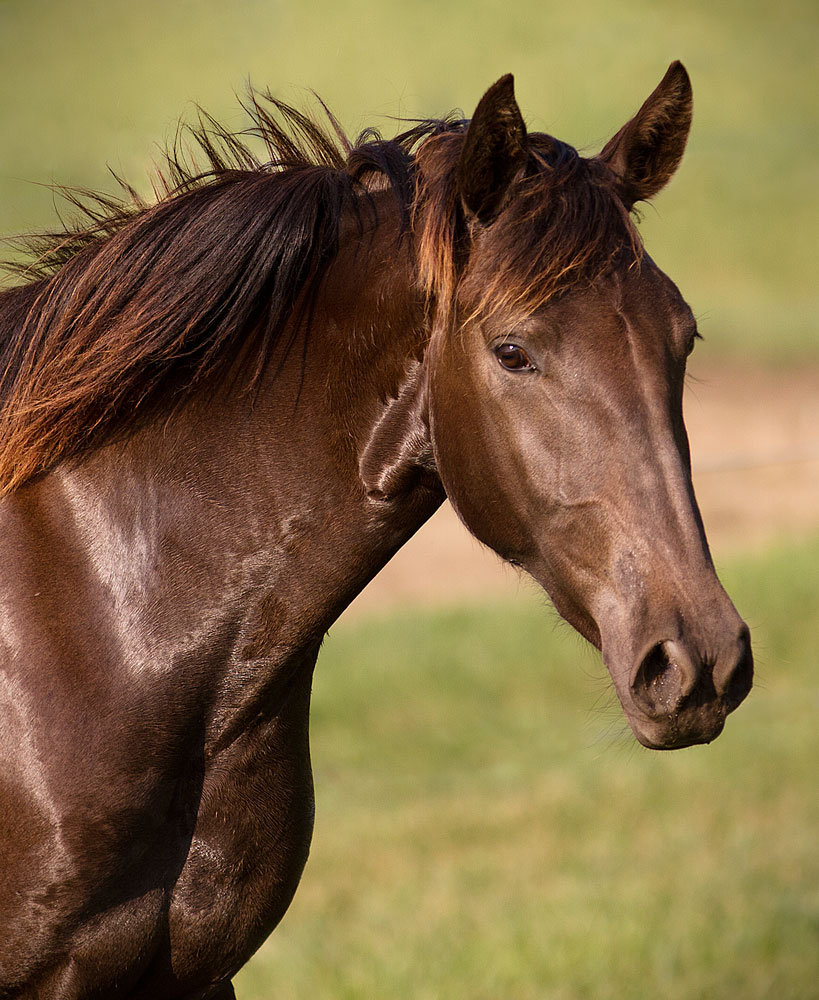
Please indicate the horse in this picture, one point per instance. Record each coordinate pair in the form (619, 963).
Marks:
(223, 411)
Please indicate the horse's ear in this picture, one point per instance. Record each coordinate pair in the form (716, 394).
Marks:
(494, 150)
(647, 150)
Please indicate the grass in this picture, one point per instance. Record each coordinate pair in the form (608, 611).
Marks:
(93, 82)
(486, 828)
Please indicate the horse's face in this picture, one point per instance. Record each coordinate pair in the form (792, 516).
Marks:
(559, 438)
(561, 444)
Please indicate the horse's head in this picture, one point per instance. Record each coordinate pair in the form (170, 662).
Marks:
(555, 404)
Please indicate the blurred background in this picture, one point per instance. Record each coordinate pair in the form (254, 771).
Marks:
(486, 826)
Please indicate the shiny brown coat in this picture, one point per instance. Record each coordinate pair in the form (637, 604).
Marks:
(221, 416)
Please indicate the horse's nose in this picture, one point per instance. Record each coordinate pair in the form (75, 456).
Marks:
(664, 678)
(734, 671)
(670, 678)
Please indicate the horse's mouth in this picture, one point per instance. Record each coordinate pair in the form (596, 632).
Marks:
(679, 729)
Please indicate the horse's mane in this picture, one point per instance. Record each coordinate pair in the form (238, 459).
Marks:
(130, 293)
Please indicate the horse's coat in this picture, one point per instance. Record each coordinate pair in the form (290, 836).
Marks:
(221, 415)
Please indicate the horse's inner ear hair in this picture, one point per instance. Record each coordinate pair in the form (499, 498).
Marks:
(647, 150)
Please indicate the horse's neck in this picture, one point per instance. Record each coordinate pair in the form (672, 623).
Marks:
(236, 531)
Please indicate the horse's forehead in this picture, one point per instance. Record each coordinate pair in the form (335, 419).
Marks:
(650, 295)
(636, 293)
(604, 318)
(547, 242)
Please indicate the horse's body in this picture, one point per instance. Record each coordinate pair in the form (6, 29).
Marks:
(166, 583)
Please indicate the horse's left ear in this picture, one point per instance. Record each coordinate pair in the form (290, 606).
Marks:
(494, 150)
(647, 150)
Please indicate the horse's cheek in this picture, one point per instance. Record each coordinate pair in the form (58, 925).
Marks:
(479, 471)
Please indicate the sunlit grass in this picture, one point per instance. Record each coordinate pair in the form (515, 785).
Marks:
(486, 828)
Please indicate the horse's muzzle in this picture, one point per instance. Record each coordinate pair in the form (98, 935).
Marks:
(679, 698)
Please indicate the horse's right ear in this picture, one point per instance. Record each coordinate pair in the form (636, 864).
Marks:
(647, 150)
(494, 150)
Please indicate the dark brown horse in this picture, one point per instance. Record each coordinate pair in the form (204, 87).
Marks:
(223, 413)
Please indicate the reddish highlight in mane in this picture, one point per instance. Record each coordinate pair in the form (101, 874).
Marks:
(132, 294)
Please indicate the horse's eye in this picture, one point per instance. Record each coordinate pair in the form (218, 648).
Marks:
(513, 358)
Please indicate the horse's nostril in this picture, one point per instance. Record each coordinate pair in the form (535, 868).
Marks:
(663, 679)
(734, 675)
(668, 679)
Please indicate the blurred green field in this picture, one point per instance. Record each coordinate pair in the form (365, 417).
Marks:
(96, 82)
(487, 828)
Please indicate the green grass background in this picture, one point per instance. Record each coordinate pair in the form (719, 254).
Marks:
(85, 83)
(487, 828)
